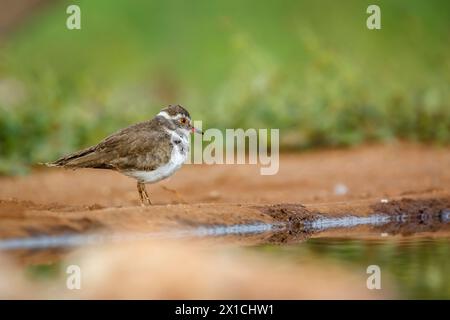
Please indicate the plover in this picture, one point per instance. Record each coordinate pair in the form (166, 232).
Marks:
(149, 151)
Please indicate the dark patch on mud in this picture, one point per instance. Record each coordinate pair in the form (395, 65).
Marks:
(413, 216)
(409, 216)
(287, 212)
(413, 207)
(294, 217)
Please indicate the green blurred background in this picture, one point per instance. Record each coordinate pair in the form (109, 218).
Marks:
(310, 68)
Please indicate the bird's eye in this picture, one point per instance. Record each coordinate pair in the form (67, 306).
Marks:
(183, 120)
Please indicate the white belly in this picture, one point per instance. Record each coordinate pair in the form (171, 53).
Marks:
(178, 157)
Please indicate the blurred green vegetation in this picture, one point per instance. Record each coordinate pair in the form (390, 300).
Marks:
(310, 68)
(44, 272)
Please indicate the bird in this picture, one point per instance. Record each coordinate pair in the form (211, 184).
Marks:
(148, 151)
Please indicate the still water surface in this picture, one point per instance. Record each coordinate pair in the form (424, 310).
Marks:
(418, 268)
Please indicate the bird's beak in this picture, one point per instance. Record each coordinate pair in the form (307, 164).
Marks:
(195, 130)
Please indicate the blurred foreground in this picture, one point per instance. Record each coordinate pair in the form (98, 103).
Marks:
(187, 271)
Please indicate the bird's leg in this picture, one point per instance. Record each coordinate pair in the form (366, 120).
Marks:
(143, 195)
(147, 198)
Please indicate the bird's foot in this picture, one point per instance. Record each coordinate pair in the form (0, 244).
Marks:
(147, 200)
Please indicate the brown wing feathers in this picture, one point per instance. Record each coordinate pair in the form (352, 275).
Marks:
(139, 146)
(87, 158)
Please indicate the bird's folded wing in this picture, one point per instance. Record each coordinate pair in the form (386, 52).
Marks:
(138, 147)
(143, 150)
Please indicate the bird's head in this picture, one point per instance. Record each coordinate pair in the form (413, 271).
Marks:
(179, 117)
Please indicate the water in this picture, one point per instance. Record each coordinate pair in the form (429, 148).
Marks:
(325, 223)
(413, 252)
(319, 224)
(417, 268)
(76, 240)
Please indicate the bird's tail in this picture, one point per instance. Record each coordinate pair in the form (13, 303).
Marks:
(80, 159)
